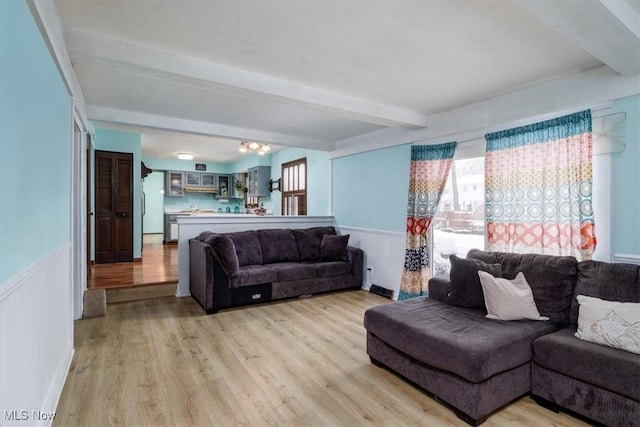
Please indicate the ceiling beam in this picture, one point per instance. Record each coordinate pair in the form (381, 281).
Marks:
(140, 60)
(608, 30)
(113, 115)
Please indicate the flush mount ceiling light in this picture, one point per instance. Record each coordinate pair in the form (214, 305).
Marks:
(185, 156)
(246, 146)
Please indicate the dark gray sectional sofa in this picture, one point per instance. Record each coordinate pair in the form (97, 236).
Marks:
(447, 346)
(231, 269)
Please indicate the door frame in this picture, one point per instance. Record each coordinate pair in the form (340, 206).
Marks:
(78, 214)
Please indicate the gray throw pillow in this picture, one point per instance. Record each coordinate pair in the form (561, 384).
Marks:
(334, 248)
(465, 287)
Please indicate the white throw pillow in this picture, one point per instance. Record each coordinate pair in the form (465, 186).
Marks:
(509, 299)
(611, 323)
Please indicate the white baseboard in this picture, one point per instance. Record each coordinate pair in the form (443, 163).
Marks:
(36, 339)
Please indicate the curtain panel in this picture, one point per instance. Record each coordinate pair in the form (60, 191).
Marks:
(539, 188)
(430, 165)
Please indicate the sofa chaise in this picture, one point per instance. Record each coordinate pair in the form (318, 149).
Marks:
(446, 345)
(232, 269)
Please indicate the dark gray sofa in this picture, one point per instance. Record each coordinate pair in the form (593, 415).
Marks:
(231, 269)
(599, 382)
(447, 346)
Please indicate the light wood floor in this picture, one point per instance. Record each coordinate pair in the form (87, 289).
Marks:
(159, 265)
(163, 362)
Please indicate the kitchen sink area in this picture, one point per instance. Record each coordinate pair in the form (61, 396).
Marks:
(171, 233)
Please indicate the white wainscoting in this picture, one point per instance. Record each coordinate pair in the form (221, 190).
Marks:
(383, 253)
(36, 339)
(191, 226)
(627, 258)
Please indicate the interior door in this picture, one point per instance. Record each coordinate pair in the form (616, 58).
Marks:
(114, 207)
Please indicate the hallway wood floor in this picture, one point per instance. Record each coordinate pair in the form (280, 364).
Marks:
(159, 265)
(163, 362)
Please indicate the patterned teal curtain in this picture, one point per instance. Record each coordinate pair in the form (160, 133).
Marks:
(430, 165)
(539, 188)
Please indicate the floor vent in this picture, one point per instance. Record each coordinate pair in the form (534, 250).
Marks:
(379, 290)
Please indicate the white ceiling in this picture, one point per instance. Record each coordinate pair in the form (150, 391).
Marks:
(310, 73)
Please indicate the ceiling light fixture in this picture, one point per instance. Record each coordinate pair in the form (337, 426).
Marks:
(185, 156)
(261, 149)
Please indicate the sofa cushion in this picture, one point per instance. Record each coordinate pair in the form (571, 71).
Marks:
(607, 281)
(252, 275)
(552, 280)
(334, 248)
(465, 288)
(278, 245)
(508, 299)
(293, 271)
(332, 268)
(611, 323)
(614, 370)
(247, 247)
(455, 339)
(309, 240)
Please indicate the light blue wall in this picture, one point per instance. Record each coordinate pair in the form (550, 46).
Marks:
(35, 135)
(625, 183)
(318, 179)
(126, 142)
(153, 186)
(251, 160)
(370, 189)
(157, 163)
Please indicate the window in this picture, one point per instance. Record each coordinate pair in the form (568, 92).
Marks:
(458, 225)
(294, 187)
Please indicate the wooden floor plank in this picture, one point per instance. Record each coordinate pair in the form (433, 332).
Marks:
(163, 362)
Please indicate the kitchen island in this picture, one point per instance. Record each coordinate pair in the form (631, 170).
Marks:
(192, 225)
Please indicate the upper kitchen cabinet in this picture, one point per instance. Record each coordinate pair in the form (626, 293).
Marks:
(175, 184)
(208, 180)
(224, 186)
(193, 179)
(258, 181)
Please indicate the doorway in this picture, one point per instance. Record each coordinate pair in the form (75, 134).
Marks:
(114, 207)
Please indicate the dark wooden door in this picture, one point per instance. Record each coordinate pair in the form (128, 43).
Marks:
(114, 207)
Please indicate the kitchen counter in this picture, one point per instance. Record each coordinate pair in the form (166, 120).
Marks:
(190, 226)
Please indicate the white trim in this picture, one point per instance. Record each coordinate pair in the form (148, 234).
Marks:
(593, 89)
(52, 398)
(383, 253)
(15, 282)
(371, 231)
(154, 121)
(627, 258)
(171, 67)
(36, 335)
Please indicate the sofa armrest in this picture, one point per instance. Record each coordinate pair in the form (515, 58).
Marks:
(355, 257)
(440, 288)
(201, 272)
(224, 252)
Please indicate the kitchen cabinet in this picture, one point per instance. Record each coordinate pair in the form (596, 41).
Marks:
(224, 186)
(193, 179)
(208, 180)
(171, 227)
(238, 177)
(258, 181)
(175, 184)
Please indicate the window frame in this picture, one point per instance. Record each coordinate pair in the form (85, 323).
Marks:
(299, 193)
